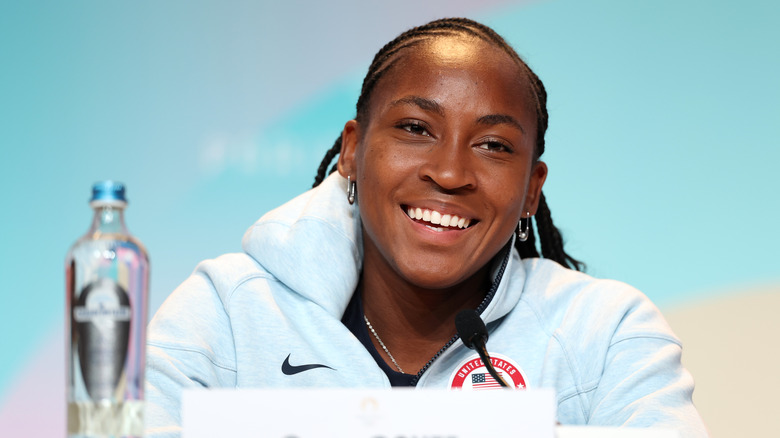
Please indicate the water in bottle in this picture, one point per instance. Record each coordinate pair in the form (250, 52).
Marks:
(107, 277)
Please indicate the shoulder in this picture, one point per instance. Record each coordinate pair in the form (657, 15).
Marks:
(574, 304)
(218, 279)
(608, 350)
(200, 305)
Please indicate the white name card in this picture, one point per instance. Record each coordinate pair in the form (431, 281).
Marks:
(365, 413)
(613, 432)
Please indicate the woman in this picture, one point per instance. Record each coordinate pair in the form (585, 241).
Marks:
(356, 283)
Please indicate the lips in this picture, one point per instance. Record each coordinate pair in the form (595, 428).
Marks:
(433, 217)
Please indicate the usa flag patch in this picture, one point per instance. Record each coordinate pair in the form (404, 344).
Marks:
(472, 374)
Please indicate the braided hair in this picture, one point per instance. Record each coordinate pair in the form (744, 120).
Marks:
(550, 239)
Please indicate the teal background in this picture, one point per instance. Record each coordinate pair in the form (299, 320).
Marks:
(662, 148)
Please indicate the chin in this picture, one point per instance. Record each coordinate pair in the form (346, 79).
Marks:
(435, 277)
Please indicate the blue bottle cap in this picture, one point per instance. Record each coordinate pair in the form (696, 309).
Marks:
(108, 192)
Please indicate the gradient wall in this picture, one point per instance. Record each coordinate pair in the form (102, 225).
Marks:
(662, 148)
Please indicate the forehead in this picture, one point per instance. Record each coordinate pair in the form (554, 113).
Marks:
(452, 65)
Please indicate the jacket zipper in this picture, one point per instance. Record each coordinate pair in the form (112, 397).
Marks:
(481, 308)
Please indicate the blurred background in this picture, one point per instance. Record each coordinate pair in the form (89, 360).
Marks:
(663, 147)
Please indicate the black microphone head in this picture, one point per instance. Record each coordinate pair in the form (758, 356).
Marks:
(471, 328)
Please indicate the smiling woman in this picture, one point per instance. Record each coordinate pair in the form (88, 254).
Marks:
(442, 133)
(357, 282)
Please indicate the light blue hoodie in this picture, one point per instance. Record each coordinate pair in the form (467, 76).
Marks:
(602, 345)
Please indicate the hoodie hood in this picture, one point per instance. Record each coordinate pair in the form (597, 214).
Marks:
(312, 244)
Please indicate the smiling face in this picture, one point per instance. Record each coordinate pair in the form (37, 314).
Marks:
(443, 162)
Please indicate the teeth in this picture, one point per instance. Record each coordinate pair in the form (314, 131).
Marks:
(436, 218)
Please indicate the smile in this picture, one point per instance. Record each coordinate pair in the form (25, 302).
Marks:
(433, 217)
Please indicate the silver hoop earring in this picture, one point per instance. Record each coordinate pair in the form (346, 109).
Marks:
(522, 228)
(351, 190)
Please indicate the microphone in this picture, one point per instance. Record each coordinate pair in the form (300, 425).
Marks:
(471, 328)
(474, 334)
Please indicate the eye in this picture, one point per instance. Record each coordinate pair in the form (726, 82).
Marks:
(494, 145)
(414, 127)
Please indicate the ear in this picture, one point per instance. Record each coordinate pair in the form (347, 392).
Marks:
(349, 143)
(535, 183)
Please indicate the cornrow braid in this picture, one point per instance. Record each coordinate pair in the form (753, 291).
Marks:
(550, 240)
(385, 58)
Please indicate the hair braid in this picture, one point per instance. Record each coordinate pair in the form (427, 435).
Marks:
(552, 247)
(550, 239)
(332, 152)
(542, 118)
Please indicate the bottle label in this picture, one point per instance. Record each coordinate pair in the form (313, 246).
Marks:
(101, 320)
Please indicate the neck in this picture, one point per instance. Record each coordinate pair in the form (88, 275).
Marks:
(415, 322)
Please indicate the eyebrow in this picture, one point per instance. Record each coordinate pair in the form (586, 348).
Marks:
(421, 102)
(499, 119)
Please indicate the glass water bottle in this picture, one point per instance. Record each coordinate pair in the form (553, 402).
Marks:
(107, 278)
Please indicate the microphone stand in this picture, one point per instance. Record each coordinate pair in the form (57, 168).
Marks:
(483, 354)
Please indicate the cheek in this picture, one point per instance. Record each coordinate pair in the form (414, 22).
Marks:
(377, 175)
(379, 163)
(516, 200)
(367, 167)
(508, 197)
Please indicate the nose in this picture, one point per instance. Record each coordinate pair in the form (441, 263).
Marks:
(449, 166)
